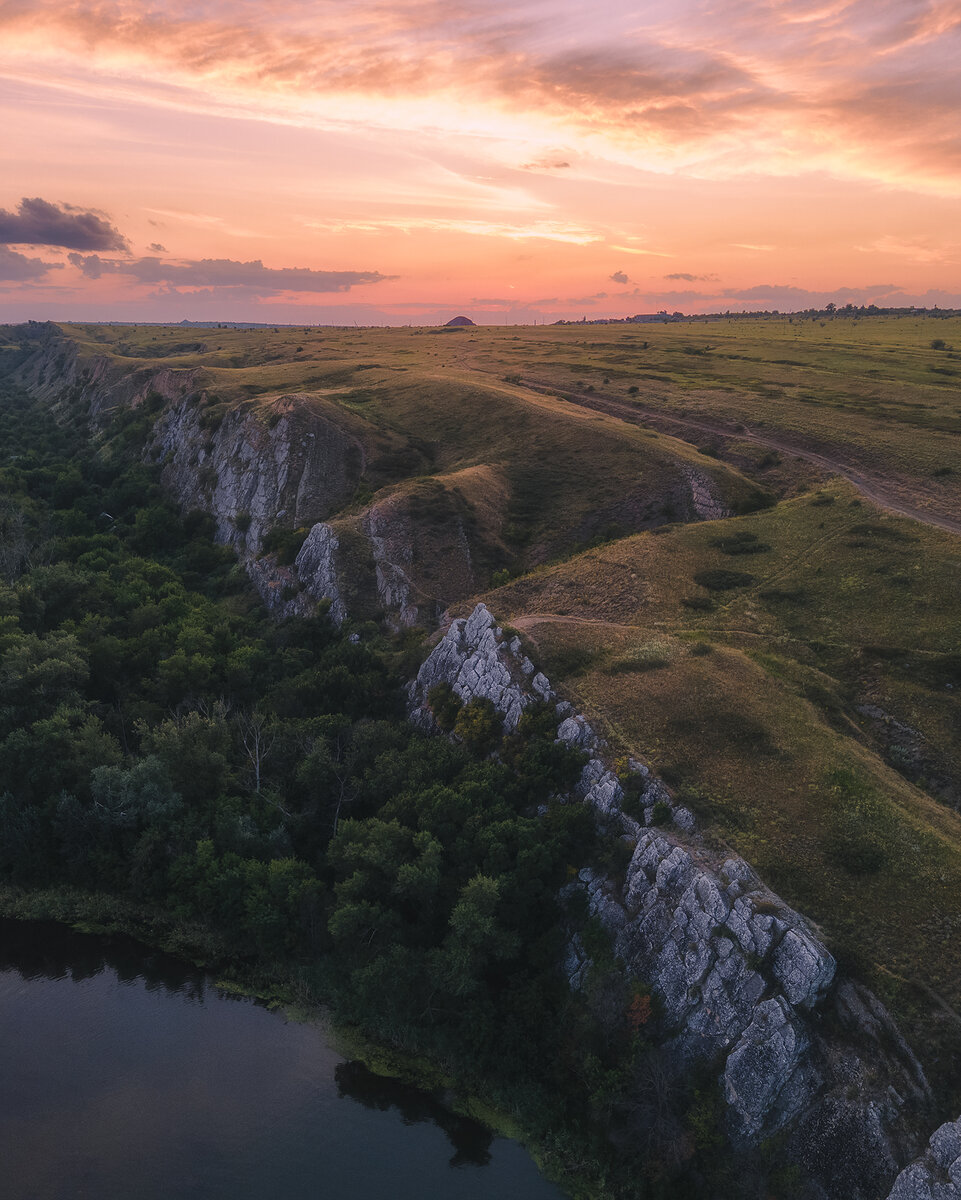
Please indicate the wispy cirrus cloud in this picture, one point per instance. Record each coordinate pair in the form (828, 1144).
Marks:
(521, 230)
(496, 147)
(870, 90)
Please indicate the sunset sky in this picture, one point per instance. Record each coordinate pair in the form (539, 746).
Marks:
(403, 162)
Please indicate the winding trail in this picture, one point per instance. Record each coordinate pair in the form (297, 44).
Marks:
(871, 487)
(527, 622)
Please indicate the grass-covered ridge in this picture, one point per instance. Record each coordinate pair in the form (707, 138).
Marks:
(794, 674)
(561, 477)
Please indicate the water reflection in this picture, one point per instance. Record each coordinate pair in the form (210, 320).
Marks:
(471, 1141)
(126, 1073)
(46, 950)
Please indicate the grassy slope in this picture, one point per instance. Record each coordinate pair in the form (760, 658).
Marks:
(872, 388)
(561, 476)
(845, 608)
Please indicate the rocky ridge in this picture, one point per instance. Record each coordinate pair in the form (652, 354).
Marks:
(936, 1175)
(288, 462)
(743, 982)
(295, 461)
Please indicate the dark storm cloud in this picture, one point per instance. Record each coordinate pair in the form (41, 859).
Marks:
(39, 223)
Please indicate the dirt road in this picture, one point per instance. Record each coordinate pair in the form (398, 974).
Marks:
(871, 487)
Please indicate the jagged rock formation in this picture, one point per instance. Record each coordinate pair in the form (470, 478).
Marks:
(257, 468)
(317, 571)
(391, 539)
(937, 1174)
(743, 981)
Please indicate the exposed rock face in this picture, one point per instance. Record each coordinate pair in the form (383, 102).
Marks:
(937, 1174)
(286, 464)
(477, 663)
(743, 981)
(706, 504)
(392, 543)
(259, 468)
(293, 467)
(316, 568)
(734, 969)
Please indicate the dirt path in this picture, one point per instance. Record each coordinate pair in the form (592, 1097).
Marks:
(872, 488)
(526, 623)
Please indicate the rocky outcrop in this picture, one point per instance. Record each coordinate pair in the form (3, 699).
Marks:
(477, 662)
(316, 567)
(251, 466)
(744, 984)
(936, 1175)
(707, 506)
(392, 544)
(259, 467)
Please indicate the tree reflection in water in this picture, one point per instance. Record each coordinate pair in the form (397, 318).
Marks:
(471, 1140)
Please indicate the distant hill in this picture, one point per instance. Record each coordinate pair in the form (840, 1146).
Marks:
(459, 321)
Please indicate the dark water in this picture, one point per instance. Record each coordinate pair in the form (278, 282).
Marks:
(125, 1075)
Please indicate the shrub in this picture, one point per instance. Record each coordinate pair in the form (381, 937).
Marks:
(754, 501)
(699, 603)
(211, 418)
(938, 344)
(445, 704)
(242, 521)
(889, 533)
(633, 390)
(700, 649)
(661, 813)
(478, 725)
(741, 542)
(722, 580)
(285, 543)
(570, 660)
(783, 595)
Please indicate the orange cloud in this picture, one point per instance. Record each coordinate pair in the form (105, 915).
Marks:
(864, 90)
(471, 147)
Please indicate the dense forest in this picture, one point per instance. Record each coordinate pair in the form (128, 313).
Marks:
(167, 746)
